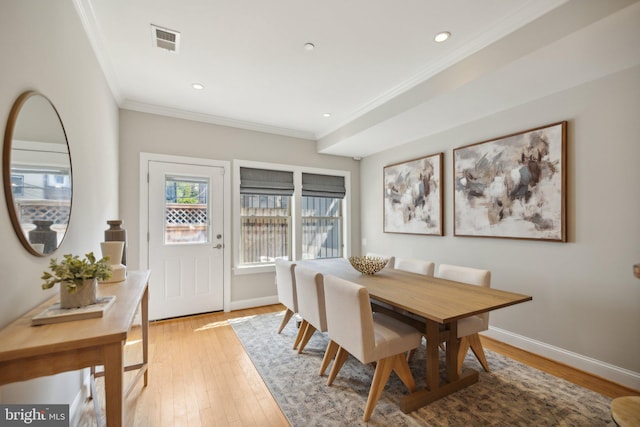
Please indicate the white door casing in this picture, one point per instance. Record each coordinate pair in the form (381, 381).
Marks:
(189, 268)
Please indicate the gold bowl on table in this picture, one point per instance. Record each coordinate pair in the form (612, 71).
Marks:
(367, 264)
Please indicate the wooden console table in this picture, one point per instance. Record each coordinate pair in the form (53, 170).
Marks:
(28, 352)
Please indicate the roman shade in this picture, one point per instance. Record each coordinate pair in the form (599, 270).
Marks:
(265, 181)
(315, 185)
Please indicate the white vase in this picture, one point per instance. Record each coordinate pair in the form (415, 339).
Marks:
(113, 250)
(84, 295)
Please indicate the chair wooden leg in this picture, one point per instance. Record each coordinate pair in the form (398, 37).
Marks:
(478, 350)
(285, 319)
(380, 377)
(329, 353)
(341, 357)
(401, 367)
(309, 330)
(303, 327)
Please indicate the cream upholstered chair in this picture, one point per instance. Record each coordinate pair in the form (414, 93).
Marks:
(469, 327)
(369, 337)
(417, 266)
(286, 286)
(311, 307)
(391, 259)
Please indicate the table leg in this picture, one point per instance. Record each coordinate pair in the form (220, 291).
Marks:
(113, 383)
(433, 365)
(145, 333)
(454, 382)
(452, 352)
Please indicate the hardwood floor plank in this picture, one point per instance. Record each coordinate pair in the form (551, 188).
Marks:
(200, 375)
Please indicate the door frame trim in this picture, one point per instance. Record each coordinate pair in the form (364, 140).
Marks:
(145, 158)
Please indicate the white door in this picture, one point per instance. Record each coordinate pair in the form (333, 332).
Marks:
(186, 255)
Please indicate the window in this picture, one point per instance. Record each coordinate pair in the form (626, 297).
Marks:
(291, 214)
(322, 215)
(17, 185)
(265, 215)
(186, 210)
(321, 227)
(265, 228)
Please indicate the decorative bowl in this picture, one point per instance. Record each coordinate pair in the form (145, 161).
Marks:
(367, 264)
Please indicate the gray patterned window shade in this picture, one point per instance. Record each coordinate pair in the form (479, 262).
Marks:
(267, 182)
(314, 185)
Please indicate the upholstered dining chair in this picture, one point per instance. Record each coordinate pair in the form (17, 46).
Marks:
(369, 337)
(391, 259)
(411, 265)
(417, 266)
(469, 327)
(286, 287)
(311, 305)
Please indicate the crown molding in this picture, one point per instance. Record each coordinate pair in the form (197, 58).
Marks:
(90, 24)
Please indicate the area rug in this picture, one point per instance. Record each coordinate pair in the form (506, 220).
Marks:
(512, 394)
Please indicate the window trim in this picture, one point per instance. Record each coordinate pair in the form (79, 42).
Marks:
(296, 211)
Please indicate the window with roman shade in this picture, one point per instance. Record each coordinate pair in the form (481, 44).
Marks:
(265, 215)
(322, 224)
(287, 211)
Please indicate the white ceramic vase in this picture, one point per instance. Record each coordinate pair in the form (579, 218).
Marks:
(114, 250)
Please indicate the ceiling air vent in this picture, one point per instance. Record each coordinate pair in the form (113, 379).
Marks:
(165, 38)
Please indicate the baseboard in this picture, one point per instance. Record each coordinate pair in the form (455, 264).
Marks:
(254, 302)
(596, 367)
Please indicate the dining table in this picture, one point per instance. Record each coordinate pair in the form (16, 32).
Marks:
(439, 304)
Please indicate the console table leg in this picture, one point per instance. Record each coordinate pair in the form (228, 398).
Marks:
(113, 383)
(145, 333)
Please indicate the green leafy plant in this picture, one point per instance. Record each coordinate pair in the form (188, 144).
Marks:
(72, 271)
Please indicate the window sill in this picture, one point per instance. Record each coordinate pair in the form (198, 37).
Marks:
(256, 269)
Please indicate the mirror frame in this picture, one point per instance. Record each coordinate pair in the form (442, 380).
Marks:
(6, 170)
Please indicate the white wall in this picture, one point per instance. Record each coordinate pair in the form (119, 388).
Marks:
(46, 49)
(143, 132)
(585, 298)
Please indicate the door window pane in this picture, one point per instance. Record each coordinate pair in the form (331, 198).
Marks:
(186, 210)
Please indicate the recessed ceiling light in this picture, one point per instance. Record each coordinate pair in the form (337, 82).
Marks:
(309, 46)
(326, 115)
(197, 86)
(440, 37)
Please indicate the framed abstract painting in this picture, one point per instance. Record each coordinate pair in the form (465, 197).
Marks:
(413, 196)
(513, 186)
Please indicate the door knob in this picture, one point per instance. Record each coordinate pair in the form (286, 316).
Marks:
(218, 246)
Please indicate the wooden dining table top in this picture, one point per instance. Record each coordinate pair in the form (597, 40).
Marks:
(439, 300)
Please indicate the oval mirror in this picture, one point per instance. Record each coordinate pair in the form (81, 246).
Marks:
(36, 168)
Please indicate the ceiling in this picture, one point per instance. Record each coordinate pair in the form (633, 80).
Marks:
(375, 67)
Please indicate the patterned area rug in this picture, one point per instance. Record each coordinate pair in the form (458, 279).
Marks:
(513, 394)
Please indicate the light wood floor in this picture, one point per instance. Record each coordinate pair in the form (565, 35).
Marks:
(200, 375)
